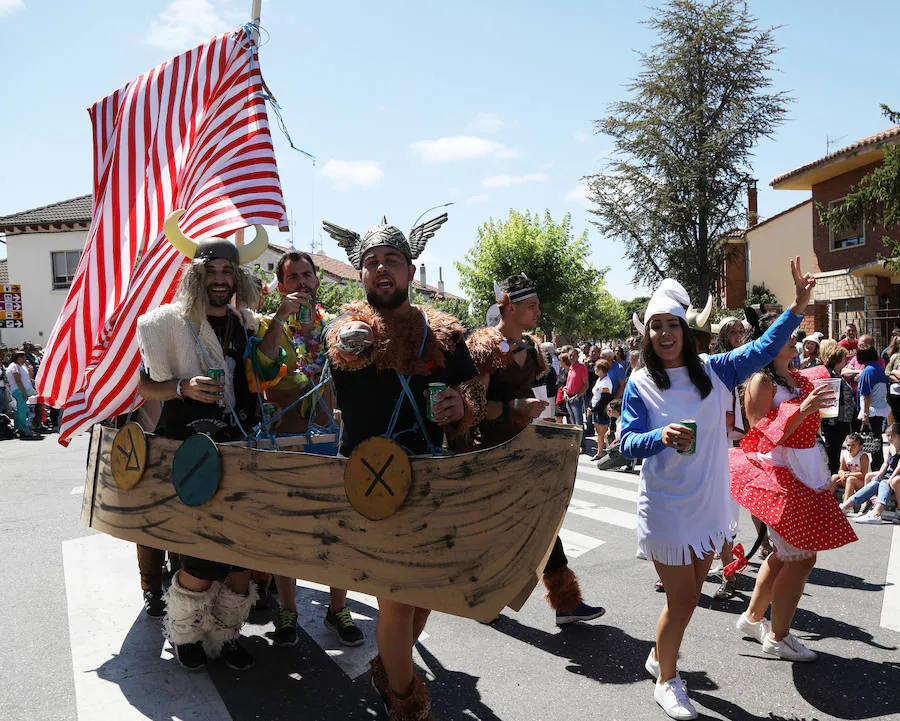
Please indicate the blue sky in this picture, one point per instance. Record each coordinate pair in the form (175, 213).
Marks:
(409, 104)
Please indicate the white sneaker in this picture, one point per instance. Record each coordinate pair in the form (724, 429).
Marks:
(757, 631)
(640, 555)
(847, 508)
(790, 648)
(652, 665)
(870, 517)
(673, 698)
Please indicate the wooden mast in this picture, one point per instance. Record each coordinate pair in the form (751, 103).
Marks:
(255, 11)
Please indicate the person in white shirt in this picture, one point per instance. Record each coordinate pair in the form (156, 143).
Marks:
(854, 466)
(21, 387)
(601, 395)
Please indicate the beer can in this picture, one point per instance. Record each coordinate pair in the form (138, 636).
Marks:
(304, 315)
(216, 374)
(692, 424)
(434, 389)
(270, 409)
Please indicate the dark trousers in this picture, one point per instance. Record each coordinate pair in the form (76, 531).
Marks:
(894, 403)
(833, 434)
(557, 558)
(877, 425)
(150, 564)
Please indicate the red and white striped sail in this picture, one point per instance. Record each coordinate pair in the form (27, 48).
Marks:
(191, 133)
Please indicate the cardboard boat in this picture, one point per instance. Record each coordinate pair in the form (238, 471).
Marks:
(471, 537)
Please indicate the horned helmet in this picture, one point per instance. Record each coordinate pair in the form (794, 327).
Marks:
(214, 248)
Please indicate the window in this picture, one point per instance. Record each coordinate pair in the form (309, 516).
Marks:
(63, 264)
(848, 236)
(271, 267)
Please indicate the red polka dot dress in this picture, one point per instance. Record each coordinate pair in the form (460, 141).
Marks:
(785, 485)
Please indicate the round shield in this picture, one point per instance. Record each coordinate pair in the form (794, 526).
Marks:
(128, 456)
(196, 470)
(377, 478)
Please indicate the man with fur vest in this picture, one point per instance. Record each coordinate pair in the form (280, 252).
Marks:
(510, 364)
(208, 602)
(384, 354)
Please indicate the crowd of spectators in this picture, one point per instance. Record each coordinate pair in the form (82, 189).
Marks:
(21, 415)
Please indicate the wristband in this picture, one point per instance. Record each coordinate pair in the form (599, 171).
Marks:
(178, 391)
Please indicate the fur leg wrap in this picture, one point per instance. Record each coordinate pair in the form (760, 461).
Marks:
(563, 591)
(228, 615)
(415, 707)
(379, 674)
(188, 613)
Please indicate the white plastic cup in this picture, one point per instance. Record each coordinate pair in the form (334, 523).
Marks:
(834, 387)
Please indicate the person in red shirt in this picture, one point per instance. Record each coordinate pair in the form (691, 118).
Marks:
(850, 341)
(576, 387)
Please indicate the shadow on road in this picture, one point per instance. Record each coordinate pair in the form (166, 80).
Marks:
(454, 694)
(849, 688)
(587, 647)
(836, 579)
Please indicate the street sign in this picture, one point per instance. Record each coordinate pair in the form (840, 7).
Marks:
(11, 306)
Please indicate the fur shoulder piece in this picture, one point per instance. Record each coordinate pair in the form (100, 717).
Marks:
(162, 316)
(397, 338)
(489, 350)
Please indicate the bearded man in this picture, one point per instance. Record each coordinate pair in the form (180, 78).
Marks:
(509, 366)
(208, 602)
(299, 346)
(376, 347)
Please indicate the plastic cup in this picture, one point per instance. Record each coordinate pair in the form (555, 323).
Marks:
(834, 387)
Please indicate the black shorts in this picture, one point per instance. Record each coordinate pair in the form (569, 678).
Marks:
(207, 570)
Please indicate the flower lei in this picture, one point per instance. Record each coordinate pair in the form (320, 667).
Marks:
(311, 354)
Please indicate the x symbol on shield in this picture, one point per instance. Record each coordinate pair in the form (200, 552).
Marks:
(377, 477)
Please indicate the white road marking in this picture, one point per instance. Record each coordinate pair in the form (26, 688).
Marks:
(121, 670)
(604, 490)
(613, 516)
(592, 470)
(890, 607)
(77, 491)
(577, 544)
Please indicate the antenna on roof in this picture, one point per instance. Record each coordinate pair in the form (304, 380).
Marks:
(830, 142)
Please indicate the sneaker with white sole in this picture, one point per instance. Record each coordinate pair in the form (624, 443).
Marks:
(756, 630)
(640, 555)
(871, 517)
(790, 648)
(672, 698)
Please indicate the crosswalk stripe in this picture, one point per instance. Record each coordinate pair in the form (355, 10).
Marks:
(890, 606)
(605, 490)
(577, 544)
(120, 669)
(593, 471)
(612, 516)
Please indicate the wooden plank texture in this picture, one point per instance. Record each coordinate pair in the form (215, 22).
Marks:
(471, 538)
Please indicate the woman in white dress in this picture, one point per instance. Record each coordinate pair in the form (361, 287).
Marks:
(685, 511)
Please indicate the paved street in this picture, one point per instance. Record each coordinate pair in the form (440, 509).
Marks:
(78, 647)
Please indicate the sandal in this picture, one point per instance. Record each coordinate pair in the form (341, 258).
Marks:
(727, 590)
(659, 587)
(765, 551)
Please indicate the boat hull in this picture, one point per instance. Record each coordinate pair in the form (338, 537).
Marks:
(471, 538)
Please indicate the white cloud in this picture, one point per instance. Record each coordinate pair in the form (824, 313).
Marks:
(352, 172)
(460, 147)
(185, 24)
(578, 195)
(485, 123)
(8, 7)
(484, 197)
(505, 181)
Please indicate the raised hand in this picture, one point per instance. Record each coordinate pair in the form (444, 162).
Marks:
(803, 285)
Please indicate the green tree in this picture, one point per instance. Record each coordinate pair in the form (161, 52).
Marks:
(630, 307)
(683, 141)
(760, 294)
(573, 294)
(875, 199)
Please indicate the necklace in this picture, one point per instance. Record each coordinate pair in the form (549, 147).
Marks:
(310, 352)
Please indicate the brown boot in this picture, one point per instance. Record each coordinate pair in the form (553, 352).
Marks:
(379, 680)
(415, 707)
(563, 591)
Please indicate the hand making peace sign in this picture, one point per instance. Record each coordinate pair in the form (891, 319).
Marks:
(803, 285)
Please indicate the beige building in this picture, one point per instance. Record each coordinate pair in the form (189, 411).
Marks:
(769, 243)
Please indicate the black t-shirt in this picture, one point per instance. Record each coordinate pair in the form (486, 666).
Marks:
(182, 418)
(367, 398)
